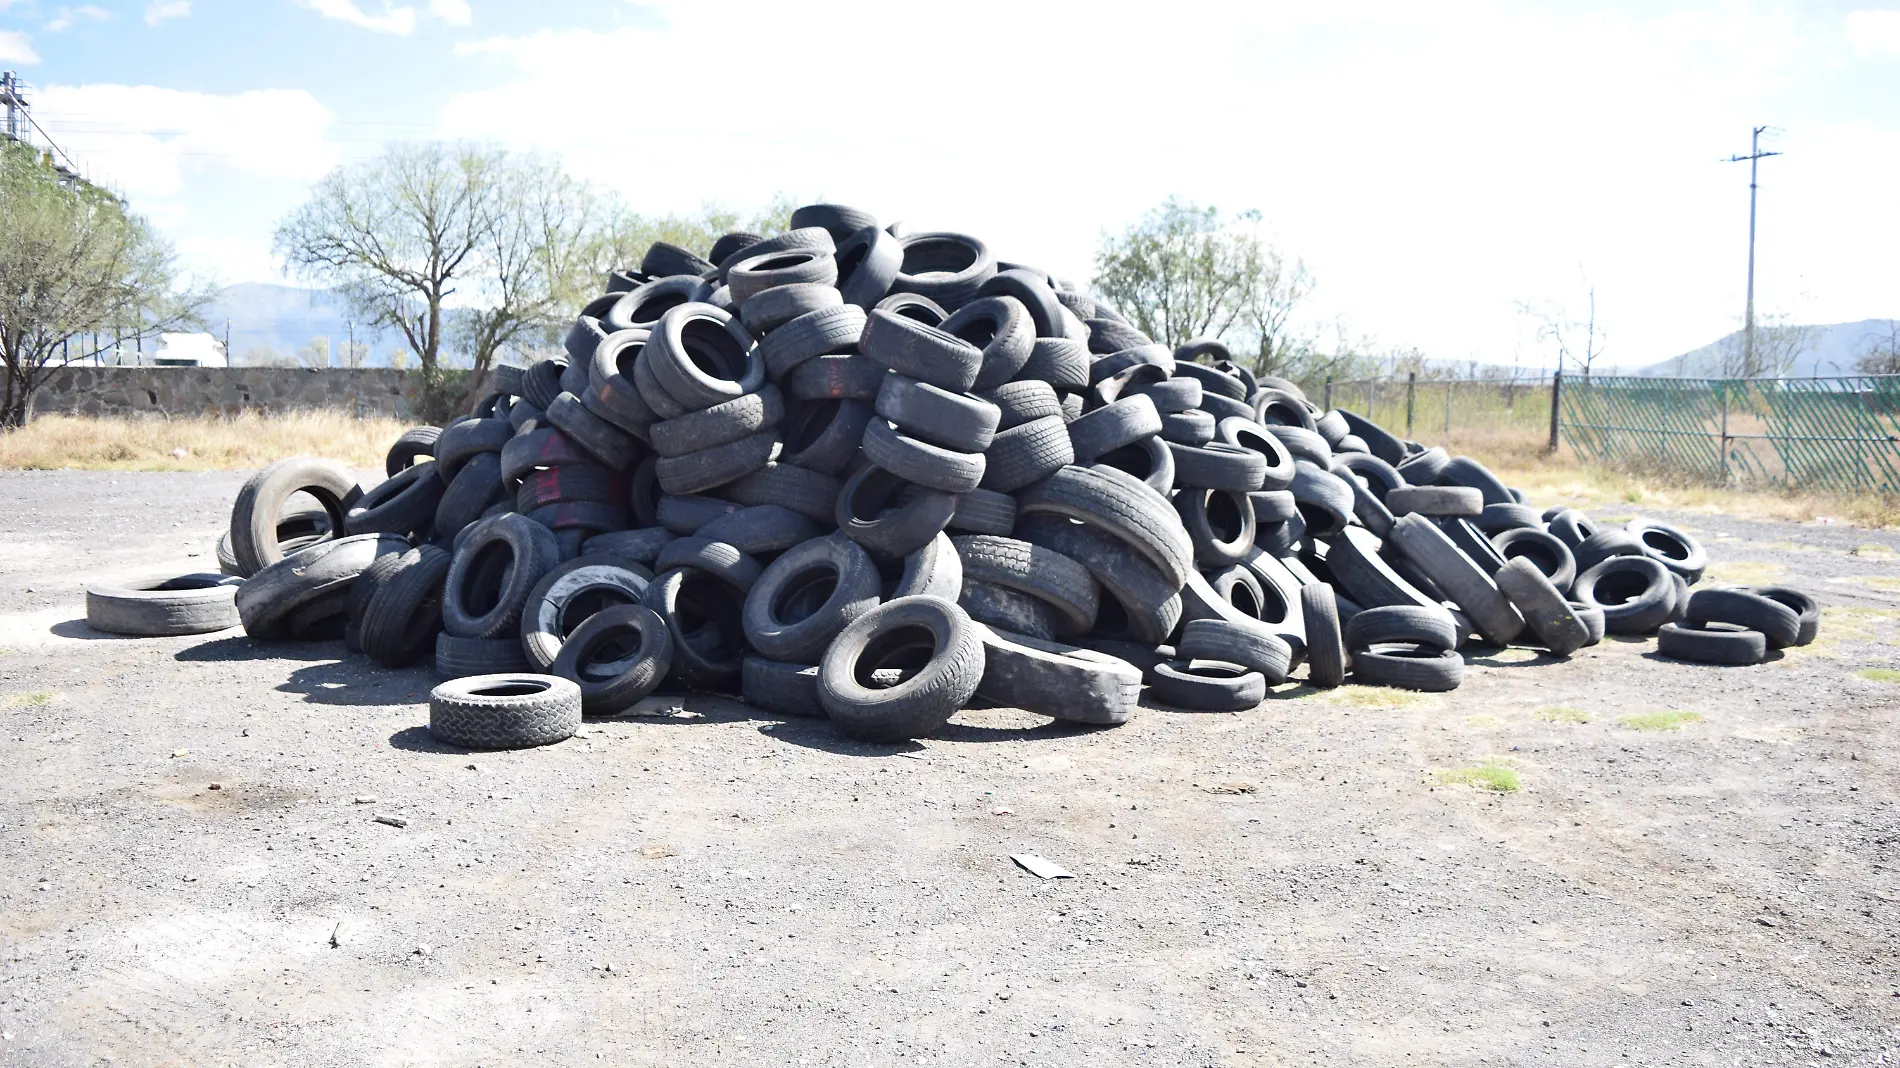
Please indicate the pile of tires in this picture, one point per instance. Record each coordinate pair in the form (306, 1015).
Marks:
(878, 478)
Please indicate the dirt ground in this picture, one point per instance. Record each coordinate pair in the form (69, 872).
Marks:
(191, 871)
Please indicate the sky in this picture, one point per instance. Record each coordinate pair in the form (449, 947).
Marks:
(1437, 166)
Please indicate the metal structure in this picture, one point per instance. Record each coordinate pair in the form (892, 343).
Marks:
(20, 127)
(1754, 158)
(1841, 434)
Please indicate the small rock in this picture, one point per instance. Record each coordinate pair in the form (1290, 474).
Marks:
(176, 753)
(215, 786)
(1765, 921)
(1002, 995)
(392, 821)
(1002, 812)
(420, 951)
(365, 799)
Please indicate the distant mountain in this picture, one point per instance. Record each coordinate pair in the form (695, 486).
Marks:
(1819, 351)
(272, 324)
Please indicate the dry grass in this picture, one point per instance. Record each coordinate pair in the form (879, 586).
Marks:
(196, 443)
(1491, 776)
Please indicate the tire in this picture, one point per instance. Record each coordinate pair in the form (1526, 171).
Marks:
(887, 636)
(773, 308)
(824, 435)
(1023, 401)
(1779, 624)
(1113, 426)
(721, 424)
(1464, 471)
(788, 689)
(1325, 645)
(1009, 610)
(161, 608)
(1026, 454)
(1059, 361)
(948, 268)
(1210, 379)
(1546, 610)
(1711, 643)
(643, 306)
(1543, 550)
(1457, 501)
(405, 613)
(458, 658)
(1247, 435)
(1367, 507)
(568, 594)
(414, 443)
(1807, 612)
(1108, 336)
(1060, 681)
(541, 383)
(1423, 668)
(1366, 576)
(568, 484)
(1403, 624)
(1119, 505)
(260, 505)
(1333, 427)
(1634, 592)
(612, 673)
(1208, 686)
(1148, 460)
(687, 513)
(1463, 581)
(580, 515)
(835, 219)
(1033, 291)
(268, 602)
(1571, 527)
(1275, 407)
(629, 546)
(1146, 600)
(730, 243)
(1218, 465)
(1193, 429)
(1220, 523)
(1303, 444)
(803, 237)
(1470, 541)
(1383, 445)
(702, 615)
(1251, 645)
(701, 356)
(511, 711)
(925, 353)
(696, 472)
(1273, 506)
(405, 504)
(766, 529)
(932, 571)
(476, 486)
(459, 441)
(583, 336)
(1001, 330)
(1324, 500)
(1498, 518)
(539, 448)
(725, 562)
(1424, 468)
(1604, 544)
(664, 259)
(489, 581)
(919, 462)
(1173, 396)
(1670, 547)
(807, 596)
(835, 377)
(825, 332)
(955, 421)
(1038, 571)
(756, 272)
(914, 306)
(605, 442)
(811, 494)
(867, 260)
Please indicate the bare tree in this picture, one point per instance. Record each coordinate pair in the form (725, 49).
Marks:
(74, 266)
(1578, 340)
(1779, 342)
(1880, 353)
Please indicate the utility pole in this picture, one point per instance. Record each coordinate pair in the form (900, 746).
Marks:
(1754, 158)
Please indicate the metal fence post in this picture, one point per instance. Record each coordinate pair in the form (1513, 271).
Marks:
(1450, 385)
(1329, 393)
(1556, 406)
(1411, 387)
(1722, 387)
(1370, 383)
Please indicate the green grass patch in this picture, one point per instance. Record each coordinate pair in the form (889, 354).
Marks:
(1660, 721)
(29, 699)
(1490, 776)
(1746, 573)
(1561, 714)
(1879, 675)
(1381, 697)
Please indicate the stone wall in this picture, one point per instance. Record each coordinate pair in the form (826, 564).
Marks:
(225, 390)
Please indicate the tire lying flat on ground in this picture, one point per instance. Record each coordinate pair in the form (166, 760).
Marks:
(508, 711)
(156, 608)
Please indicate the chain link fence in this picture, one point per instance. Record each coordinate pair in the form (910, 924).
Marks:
(1478, 412)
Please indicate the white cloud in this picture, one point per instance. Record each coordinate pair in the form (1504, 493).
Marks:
(1874, 33)
(453, 12)
(397, 20)
(160, 10)
(15, 48)
(67, 17)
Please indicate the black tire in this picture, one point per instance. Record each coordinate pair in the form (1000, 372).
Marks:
(773, 308)
(730, 243)
(541, 383)
(716, 558)
(948, 268)
(932, 571)
(955, 421)
(702, 614)
(1023, 401)
(458, 658)
(756, 272)
(490, 579)
(1498, 518)
(803, 237)
(702, 356)
(824, 435)
(812, 494)
(1278, 473)
(459, 441)
(1254, 646)
(1061, 681)
(1173, 396)
(404, 504)
(1671, 547)
(1778, 623)
(1303, 444)
(926, 353)
(807, 596)
(1061, 362)
(1040, 572)
(1211, 379)
(1148, 460)
(629, 546)
(569, 483)
(897, 635)
(1635, 593)
(1383, 445)
(1192, 429)
(510, 711)
(1419, 668)
(1366, 576)
(720, 424)
(270, 601)
(867, 260)
(864, 513)
(1593, 621)
(476, 486)
(1712, 643)
(1403, 624)
(920, 462)
(1470, 541)
(1208, 686)
(1273, 506)
(1033, 291)
(1120, 505)
(835, 219)
(580, 515)
(571, 592)
(1807, 611)
(1424, 468)
(1463, 581)
(1145, 603)
(1009, 610)
(414, 444)
(826, 332)
(1464, 471)
(641, 307)
(1367, 506)
(1026, 454)
(766, 529)
(1220, 523)
(1001, 329)
(1604, 544)
(788, 689)
(1113, 426)
(696, 472)
(1458, 501)
(1333, 427)
(405, 613)
(159, 608)
(1325, 501)
(1108, 336)
(1543, 550)
(258, 512)
(1276, 407)
(1572, 528)
(835, 377)
(687, 513)
(664, 259)
(1325, 644)
(1545, 608)
(539, 448)
(612, 672)
(600, 439)
(914, 306)
(1218, 465)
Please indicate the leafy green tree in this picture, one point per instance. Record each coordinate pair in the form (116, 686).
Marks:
(74, 265)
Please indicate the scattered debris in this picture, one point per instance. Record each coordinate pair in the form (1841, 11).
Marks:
(1040, 868)
(392, 821)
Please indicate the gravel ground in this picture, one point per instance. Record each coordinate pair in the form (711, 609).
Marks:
(191, 871)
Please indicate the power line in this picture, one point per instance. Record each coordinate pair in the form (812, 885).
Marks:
(1754, 158)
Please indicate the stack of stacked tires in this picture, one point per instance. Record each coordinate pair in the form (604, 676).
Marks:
(877, 478)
